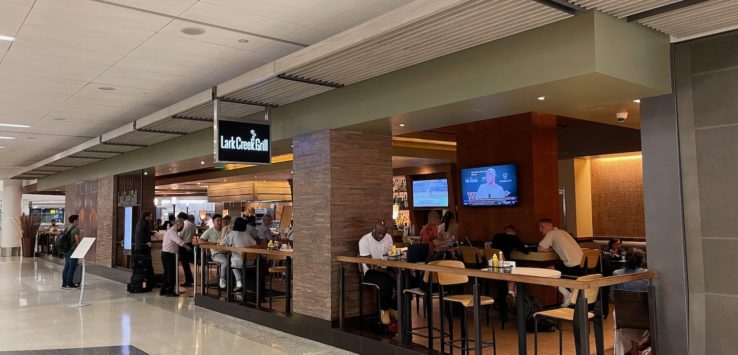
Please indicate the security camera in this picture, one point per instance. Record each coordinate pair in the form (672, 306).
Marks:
(621, 116)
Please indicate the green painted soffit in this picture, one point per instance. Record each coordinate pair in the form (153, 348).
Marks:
(590, 43)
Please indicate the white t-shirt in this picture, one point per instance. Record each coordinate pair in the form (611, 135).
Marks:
(565, 246)
(490, 191)
(368, 246)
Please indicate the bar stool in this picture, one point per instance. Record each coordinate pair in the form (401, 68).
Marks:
(567, 314)
(208, 269)
(420, 292)
(464, 300)
(275, 270)
(470, 256)
(363, 284)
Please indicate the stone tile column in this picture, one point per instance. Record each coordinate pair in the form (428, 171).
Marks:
(10, 235)
(342, 184)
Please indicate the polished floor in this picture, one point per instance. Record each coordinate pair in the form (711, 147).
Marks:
(35, 314)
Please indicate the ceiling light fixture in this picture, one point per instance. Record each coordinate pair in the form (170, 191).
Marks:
(202, 162)
(401, 125)
(106, 88)
(541, 98)
(243, 40)
(638, 101)
(193, 31)
(14, 125)
(146, 173)
(6, 137)
(7, 38)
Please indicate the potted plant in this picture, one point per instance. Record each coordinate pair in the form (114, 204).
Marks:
(29, 228)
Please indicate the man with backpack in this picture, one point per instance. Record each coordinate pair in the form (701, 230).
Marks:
(66, 243)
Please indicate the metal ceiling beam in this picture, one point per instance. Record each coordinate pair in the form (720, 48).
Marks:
(148, 130)
(663, 9)
(286, 76)
(563, 5)
(100, 151)
(189, 118)
(76, 156)
(247, 102)
(125, 144)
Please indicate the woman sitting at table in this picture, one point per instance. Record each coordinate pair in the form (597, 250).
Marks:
(448, 226)
(429, 235)
(238, 238)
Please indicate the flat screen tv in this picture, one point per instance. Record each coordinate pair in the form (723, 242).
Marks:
(494, 185)
(430, 193)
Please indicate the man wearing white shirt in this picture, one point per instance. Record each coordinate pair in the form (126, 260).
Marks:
(375, 245)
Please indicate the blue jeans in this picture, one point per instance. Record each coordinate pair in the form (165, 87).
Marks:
(70, 265)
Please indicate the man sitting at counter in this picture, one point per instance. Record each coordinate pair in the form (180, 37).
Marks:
(375, 245)
(265, 230)
(566, 247)
(214, 235)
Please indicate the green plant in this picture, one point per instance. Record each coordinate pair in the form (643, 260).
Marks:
(29, 226)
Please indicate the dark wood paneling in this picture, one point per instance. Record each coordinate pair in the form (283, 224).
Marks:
(528, 141)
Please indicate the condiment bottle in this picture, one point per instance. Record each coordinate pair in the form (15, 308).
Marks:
(495, 261)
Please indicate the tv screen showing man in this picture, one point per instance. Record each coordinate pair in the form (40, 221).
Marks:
(489, 186)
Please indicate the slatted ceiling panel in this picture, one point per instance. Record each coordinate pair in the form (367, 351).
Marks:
(703, 18)
(179, 125)
(94, 155)
(622, 8)
(74, 161)
(55, 169)
(230, 109)
(112, 148)
(463, 27)
(202, 111)
(142, 138)
(277, 91)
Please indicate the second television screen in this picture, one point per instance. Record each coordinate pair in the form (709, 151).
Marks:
(489, 186)
(430, 193)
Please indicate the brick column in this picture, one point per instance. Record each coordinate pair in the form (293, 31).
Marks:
(342, 184)
(104, 252)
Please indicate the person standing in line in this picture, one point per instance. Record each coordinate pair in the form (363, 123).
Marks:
(185, 254)
(214, 236)
(70, 264)
(240, 239)
(265, 230)
(169, 248)
(142, 247)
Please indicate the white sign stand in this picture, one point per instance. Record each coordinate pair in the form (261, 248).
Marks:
(79, 253)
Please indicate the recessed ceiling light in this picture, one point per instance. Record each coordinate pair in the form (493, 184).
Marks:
(202, 162)
(224, 180)
(541, 98)
(638, 101)
(146, 173)
(6, 137)
(243, 40)
(401, 125)
(106, 88)
(7, 38)
(193, 31)
(198, 183)
(4, 148)
(14, 125)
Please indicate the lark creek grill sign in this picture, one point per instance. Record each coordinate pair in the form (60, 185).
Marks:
(243, 142)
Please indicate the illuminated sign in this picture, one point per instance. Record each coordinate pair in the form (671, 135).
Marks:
(242, 142)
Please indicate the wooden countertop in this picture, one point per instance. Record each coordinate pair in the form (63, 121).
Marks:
(251, 250)
(601, 282)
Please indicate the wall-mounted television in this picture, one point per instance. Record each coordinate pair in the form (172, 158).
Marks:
(494, 185)
(430, 193)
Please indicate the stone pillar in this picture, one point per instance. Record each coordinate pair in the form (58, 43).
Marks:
(342, 184)
(10, 233)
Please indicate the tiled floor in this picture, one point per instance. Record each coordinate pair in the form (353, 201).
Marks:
(35, 315)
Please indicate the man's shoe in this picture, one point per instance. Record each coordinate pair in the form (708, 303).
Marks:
(73, 286)
(238, 286)
(394, 315)
(222, 283)
(384, 317)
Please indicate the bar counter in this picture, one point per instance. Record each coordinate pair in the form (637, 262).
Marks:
(581, 327)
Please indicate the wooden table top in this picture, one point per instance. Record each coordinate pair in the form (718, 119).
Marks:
(501, 276)
(534, 271)
(249, 250)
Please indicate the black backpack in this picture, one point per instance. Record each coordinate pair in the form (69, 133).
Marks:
(64, 242)
(532, 305)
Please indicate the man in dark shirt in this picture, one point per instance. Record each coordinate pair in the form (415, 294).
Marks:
(508, 241)
(142, 249)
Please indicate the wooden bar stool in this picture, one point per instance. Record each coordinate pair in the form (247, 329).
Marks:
(466, 301)
(426, 293)
(273, 270)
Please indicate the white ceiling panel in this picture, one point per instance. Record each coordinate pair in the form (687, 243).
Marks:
(44, 84)
(53, 67)
(100, 12)
(702, 19)
(66, 52)
(240, 20)
(83, 33)
(12, 15)
(170, 7)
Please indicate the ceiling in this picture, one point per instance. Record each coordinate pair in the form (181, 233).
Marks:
(66, 51)
(55, 75)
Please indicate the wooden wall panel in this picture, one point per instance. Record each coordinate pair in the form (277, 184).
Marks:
(528, 141)
(617, 197)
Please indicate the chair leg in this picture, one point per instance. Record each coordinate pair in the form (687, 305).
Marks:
(361, 306)
(443, 322)
(494, 338)
(450, 316)
(535, 335)
(599, 338)
(464, 333)
(417, 304)
(271, 291)
(561, 337)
